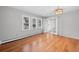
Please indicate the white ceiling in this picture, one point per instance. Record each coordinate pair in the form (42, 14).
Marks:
(44, 11)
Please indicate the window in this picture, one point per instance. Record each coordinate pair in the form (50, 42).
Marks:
(39, 23)
(33, 19)
(25, 23)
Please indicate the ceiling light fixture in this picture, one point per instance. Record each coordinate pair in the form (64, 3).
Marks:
(58, 11)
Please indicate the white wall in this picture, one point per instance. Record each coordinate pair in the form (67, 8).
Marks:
(68, 24)
(11, 24)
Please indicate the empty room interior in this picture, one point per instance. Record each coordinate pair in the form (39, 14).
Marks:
(39, 28)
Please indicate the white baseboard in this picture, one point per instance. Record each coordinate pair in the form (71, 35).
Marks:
(70, 36)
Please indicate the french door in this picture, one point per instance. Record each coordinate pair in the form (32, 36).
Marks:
(52, 25)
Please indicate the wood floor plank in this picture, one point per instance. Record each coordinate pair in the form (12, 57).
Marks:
(44, 42)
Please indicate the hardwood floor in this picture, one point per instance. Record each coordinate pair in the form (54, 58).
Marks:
(44, 42)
